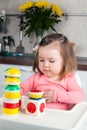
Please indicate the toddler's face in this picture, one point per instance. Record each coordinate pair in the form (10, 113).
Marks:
(50, 61)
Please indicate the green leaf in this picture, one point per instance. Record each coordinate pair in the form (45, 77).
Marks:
(39, 20)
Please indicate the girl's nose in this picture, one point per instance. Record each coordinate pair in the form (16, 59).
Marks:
(46, 64)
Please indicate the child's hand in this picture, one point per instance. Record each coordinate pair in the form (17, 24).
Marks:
(48, 95)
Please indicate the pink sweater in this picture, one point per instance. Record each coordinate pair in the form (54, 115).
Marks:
(66, 92)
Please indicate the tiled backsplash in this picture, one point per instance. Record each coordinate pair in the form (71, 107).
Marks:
(75, 27)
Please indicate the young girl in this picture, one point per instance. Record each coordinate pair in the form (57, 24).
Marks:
(55, 64)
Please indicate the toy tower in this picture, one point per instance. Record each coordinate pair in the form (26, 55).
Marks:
(11, 96)
(35, 105)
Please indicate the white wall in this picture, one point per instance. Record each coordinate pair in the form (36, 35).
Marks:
(75, 28)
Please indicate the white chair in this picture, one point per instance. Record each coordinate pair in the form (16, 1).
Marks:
(78, 79)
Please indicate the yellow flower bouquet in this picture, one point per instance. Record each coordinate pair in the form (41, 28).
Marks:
(39, 16)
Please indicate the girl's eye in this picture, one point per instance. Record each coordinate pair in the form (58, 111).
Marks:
(41, 60)
(52, 61)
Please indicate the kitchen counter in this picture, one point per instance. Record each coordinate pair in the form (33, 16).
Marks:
(27, 60)
(82, 63)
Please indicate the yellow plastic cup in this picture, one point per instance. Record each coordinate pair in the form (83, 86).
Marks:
(12, 72)
(12, 95)
(35, 94)
(10, 111)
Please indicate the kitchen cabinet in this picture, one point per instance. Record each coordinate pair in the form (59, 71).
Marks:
(28, 59)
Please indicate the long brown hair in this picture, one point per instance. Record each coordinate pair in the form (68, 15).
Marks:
(66, 51)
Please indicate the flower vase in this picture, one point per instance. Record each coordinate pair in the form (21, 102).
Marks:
(36, 43)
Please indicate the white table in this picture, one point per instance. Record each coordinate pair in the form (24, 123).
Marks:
(75, 119)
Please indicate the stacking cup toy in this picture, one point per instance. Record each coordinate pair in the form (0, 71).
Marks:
(11, 98)
(12, 81)
(12, 72)
(35, 105)
(12, 92)
(35, 94)
(10, 107)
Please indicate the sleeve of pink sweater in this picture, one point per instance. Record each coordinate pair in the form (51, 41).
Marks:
(74, 94)
(27, 85)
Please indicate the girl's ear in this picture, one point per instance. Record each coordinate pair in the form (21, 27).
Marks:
(72, 44)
